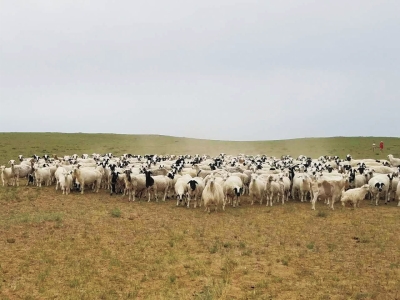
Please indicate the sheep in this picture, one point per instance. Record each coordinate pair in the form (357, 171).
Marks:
(394, 178)
(357, 181)
(330, 190)
(195, 188)
(117, 180)
(87, 176)
(274, 189)
(85, 160)
(382, 170)
(135, 184)
(65, 181)
(233, 188)
(398, 194)
(245, 180)
(302, 184)
(378, 185)
(286, 185)
(256, 189)
(7, 175)
(21, 171)
(213, 194)
(395, 162)
(354, 195)
(202, 172)
(161, 184)
(160, 171)
(42, 175)
(181, 188)
(190, 171)
(150, 185)
(321, 189)
(58, 173)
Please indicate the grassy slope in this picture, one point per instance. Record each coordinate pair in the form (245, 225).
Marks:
(13, 144)
(94, 246)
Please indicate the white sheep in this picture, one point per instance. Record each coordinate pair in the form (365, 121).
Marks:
(161, 184)
(256, 189)
(86, 176)
(355, 196)
(213, 194)
(42, 175)
(358, 180)
(379, 185)
(195, 188)
(398, 194)
(395, 162)
(286, 185)
(181, 188)
(302, 185)
(65, 182)
(135, 184)
(245, 180)
(20, 171)
(233, 189)
(274, 190)
(7, 175)
(59, 173)
(382, 170)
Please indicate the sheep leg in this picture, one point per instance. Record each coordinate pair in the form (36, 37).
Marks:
(377, 197)
(133, 195)
(314, 200)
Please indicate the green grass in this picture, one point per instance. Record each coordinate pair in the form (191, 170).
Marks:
(116, 213)
(94, 246)
(13, 144)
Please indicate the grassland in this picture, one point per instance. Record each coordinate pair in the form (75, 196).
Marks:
(13, 144)
(94, 246)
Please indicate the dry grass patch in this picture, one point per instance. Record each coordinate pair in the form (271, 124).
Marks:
(97, 246)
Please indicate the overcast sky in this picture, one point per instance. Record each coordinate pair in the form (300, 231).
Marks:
(230, 70)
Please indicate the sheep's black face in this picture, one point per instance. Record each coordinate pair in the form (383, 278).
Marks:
(192, 184)
(379, 186)
(114, 177)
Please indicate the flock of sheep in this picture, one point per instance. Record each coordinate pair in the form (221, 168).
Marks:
(215, 181)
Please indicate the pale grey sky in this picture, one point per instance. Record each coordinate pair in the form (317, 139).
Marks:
(231, 70)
